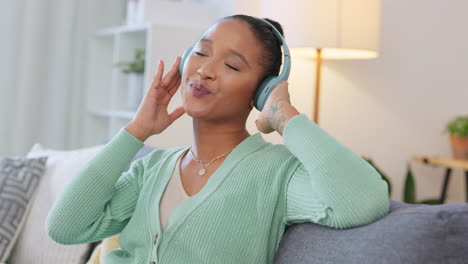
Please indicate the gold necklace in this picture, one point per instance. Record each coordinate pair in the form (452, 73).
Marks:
(202, 171)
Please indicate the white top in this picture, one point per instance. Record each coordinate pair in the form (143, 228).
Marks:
(172, 196)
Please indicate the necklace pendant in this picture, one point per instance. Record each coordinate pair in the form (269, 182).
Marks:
(201, 172)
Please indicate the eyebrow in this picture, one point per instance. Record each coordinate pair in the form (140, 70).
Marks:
(230, 50)
(239, 55)
(206, 40)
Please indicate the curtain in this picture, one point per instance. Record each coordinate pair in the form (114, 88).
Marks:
(42, 72)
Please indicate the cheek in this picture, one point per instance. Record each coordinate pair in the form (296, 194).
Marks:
(239, 89)
(191, 65)
(185, 77)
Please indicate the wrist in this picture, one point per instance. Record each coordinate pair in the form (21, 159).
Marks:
(137, 131)
(279, 114)
(289, 112)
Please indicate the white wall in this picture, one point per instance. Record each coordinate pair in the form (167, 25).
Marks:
(230, 7)
(396, 106)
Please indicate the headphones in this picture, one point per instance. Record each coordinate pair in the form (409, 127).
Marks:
(266, 86)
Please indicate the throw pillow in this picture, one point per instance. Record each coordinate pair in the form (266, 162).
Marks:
(19, 179)
(107, 244)
(34, 245)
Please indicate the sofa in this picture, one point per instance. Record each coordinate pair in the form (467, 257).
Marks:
(410, 233)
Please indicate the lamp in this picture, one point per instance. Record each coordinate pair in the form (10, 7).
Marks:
(327, 29)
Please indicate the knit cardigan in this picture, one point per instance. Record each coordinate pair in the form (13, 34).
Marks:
(241, 213)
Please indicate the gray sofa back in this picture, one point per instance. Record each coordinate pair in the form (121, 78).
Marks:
(410, 233)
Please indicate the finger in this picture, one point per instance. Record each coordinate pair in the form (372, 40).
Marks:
(259, 126)
(263, 126)
(172, 73)
(178, 112)
(281, 85)
(157, 77)
(174, 81)
(175, 87)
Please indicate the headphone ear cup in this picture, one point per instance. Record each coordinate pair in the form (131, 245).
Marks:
(264, 90)
(184, 58)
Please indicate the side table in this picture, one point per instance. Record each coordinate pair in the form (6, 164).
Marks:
(449, 164)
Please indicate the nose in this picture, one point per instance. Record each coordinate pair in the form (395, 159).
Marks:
(207, 70)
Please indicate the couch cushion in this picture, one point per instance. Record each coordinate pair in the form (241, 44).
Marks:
(410, 233)
(19, 180)
(34, 245)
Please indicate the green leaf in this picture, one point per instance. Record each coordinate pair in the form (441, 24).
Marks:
(409, 194)
(458, 126)
(431, 201)
(136, 66)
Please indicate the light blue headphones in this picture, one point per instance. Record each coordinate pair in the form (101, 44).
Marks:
(267, 85)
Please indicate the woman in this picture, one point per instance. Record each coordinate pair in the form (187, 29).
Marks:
(228, 197)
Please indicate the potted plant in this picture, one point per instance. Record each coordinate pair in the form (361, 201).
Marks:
(134, 69)
(458, 129)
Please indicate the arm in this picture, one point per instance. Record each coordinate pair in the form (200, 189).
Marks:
(332, 186)
(100, 199)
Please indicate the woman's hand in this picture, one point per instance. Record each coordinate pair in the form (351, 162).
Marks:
(277, 110)
(152, 116)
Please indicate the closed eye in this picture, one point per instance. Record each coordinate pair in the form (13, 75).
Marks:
(232, 67)
(199, 54)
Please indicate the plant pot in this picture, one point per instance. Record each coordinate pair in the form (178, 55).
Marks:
(459, 147)
(135, 90)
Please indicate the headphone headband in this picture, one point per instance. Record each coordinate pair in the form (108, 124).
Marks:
(286, 57)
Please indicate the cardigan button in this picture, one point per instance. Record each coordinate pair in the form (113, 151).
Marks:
(153, 262)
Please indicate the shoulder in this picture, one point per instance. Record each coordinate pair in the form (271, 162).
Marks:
(158, 155)
(279, 155)
(277, 150)
(152, 159)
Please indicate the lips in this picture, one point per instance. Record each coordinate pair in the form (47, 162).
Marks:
(200, 88)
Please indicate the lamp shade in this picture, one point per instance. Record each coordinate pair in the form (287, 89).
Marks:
(342, 29)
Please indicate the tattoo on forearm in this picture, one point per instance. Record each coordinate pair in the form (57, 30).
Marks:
(276, 117)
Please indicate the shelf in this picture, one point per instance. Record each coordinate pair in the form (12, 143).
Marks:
(447, 162)
(112, 113)
(106, 86)
(121, 29)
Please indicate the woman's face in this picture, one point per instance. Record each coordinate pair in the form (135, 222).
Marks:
(226, 62)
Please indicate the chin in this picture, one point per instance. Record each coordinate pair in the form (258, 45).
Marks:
(196, 111)
(196, 107)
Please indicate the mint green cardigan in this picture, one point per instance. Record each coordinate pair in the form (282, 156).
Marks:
(241, 213)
